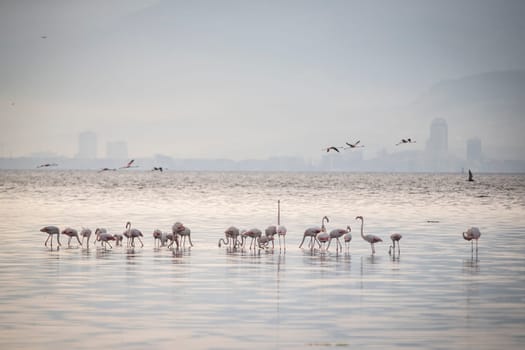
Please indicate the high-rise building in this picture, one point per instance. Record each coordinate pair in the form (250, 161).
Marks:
(474, 150)
(437, 144)
(117, 150)
(87, 145)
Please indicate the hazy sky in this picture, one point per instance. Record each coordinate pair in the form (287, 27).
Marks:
(238, 79)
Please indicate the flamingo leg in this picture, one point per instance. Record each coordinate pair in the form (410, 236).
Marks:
(140, 240)
(189, 239)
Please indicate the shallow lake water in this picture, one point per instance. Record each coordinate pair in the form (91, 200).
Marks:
(435, 294)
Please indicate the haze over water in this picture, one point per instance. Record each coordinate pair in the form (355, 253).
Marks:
(434, 295)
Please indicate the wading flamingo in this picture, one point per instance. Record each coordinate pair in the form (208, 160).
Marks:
(322, 238)
(372, 239)
(51, 230)
(347, 237)
(312, 232)
(173, 238)
(133, 233)
(472, 234)
(281, 230)
(270, 232)
(183, 231)
(232, 237)
(254, 234)
(85, 232)
(395, 237)
(104, 237)
(71, 232)
(338, 233)
(160, 238)
(118, 239)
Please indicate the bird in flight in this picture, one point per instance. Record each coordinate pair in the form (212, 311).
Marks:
(157, 168)
(129, 165)
(106, 169)
(355, 144)
(405, 141)
(47, 165)
(332, 148)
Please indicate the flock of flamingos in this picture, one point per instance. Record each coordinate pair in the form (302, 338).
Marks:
(237, 239)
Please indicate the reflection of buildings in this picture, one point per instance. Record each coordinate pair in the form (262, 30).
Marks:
(87, 145)
(117, 150)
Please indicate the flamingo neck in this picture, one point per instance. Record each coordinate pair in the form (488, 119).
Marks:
(362, 223)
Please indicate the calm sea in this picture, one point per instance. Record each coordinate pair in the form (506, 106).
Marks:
(436, 294)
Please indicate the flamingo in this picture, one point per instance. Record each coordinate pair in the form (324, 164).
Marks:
(332, 148)
(264, 240)
(372, 239)
(47, 165)
(183, 231)
(354, 145)
(312, 233)
(51, 230)
(281, 230)
(71, 232)
(161, 237)
(104, 237)
(347, 237)
(231, 233)
(395, 237)
(254, 234)
(409, 140)
(173, 238)
(85, 232)
(270, 232)
(129, 165)
(472, 234)
(118, 239)
(133, 233)
(338, 233)
(100, 230)
(322, 238)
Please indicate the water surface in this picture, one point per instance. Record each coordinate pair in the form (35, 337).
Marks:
(436, 294)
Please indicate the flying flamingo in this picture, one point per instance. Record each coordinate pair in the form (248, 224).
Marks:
(472, 234)
(409, 140)
(395, 237)
(71, 232)
(133, 233)
(312, 233)
(85, 232)
(338, 233)
(281, 230)
(129, 165)
(354, 145)
(51, 230)
(183, 231)
(372, 239)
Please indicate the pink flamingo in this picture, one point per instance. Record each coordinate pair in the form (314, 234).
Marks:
(254, 234)
(118, 239)
(133, 233)
(472, 234)
(104, 237)
(183, 231)
(159, 237)
(232, 237)
(312, 233)
(85, 232)
(372, 239)
(281, 230)
(347, 237)
(336, 234)
(323, 237)
(173, 238)
(71, 232)
(51, 230)
(395, 237)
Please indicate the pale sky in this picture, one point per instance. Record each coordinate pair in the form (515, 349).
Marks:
(245, 79)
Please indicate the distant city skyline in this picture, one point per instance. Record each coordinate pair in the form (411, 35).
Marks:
(259, 79)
